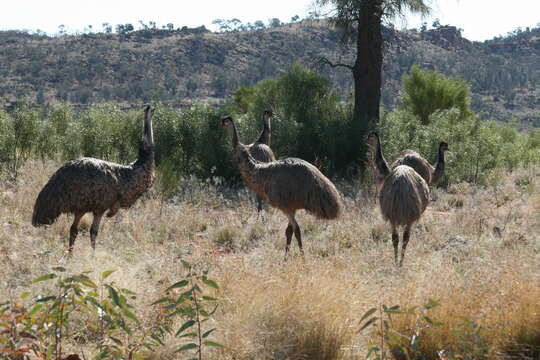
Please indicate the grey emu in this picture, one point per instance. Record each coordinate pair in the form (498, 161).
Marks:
(260, 149)
(290, 184)
(92, 185)
(403, 195)
(431, 174)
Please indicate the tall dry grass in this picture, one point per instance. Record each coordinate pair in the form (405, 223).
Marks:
(476, 249)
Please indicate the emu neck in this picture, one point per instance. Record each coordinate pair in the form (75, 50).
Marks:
(439, 167)
(234, 135)
(266, 132)
(380, 161)
(146, 157)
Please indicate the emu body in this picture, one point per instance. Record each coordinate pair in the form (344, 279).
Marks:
(290, 185)
(431, 174)
(260, 149)
(403, 196)
(89, 185)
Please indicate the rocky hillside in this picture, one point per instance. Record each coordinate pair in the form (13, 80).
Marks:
(187, 65)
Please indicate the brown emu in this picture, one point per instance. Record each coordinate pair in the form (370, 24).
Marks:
(92, 185)
(260, 149)
(290, 184)
(431, 174)
(403, 195)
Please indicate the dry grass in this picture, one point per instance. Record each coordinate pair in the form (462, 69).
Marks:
(477, 250)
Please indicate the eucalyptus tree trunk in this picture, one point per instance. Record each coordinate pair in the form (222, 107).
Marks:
(367, 68)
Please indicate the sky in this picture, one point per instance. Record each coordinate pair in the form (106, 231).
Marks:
(479, 19)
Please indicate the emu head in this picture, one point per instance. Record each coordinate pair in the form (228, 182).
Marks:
(148, 134)
(226, 122)
(443, 146)
(268, 114)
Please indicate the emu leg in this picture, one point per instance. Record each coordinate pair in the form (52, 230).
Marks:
(113, 209)
(73, 231)
(395, 242)
(259, 204)
(288, 235)
(406, 236)
(298, 235)
(94, 229)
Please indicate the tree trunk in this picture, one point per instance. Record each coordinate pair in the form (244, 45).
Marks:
(367, 75)
(368, 66)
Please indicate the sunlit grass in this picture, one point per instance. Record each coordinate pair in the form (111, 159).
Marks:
(308, 309)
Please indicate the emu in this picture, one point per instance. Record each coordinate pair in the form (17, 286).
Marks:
(92, 185)
(290, 185)
(260, 149)
(431, 174)
(403, 195)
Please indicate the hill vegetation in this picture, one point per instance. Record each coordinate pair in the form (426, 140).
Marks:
(183, 66)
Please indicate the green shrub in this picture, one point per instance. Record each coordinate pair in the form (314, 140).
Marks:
(425, 92)
(476, 147)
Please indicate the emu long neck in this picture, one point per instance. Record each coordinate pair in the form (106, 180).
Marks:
(439, 167)
(246, 163)
(146, 146)
(380, 162)
(234, 135)
(266, 133)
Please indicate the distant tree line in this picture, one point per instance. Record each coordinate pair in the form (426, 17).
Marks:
(310, 122)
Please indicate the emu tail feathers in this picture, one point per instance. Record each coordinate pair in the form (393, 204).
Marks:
(404, 196)
(325, 203)
(46, 208)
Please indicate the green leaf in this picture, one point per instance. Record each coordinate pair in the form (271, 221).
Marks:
(25, 294)
(179, 284)
(431, 304)
(186, 264)
(113, 294)
(35, 309)
(130, 315)
(117, 341)
(45, 299)
(127, 291)
(211, 283)
(162, 300)
(191, 335)
(184, 326)
(157, 339)
(209, 298)
(208, 333)
(367, 314)
(106, 274)
(44, 278)
(369, 322)
(85, 280)
(187, 347)
(212, 343)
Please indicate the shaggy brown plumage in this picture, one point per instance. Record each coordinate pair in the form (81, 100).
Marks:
(260, 149)
(431, 174)
(92, 185)
(403, 195)
(289, 185)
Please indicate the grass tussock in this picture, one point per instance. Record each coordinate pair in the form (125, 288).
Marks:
(497, 318)
(479, 259)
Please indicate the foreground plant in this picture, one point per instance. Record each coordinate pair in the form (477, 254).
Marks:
(42, 326)
(195, 306)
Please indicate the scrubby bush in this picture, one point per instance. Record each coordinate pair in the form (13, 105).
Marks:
(309, 123)
(476, 147)
(426, 92)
